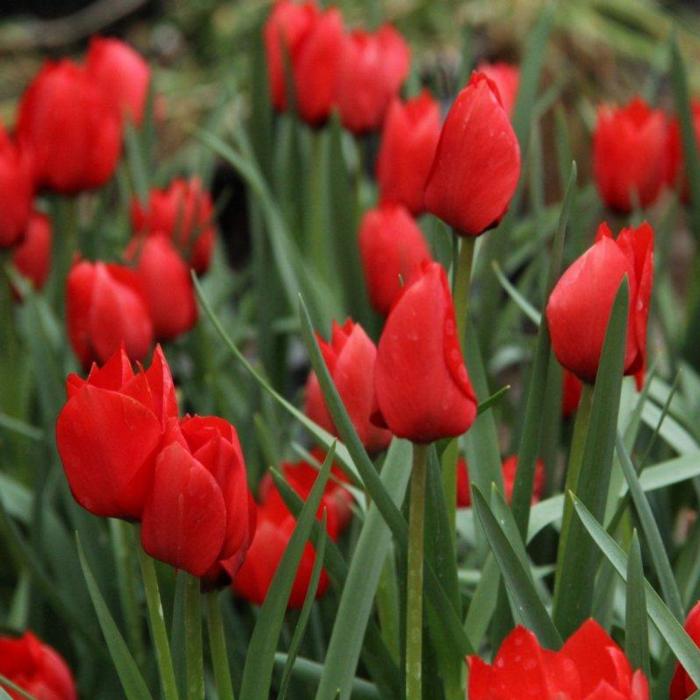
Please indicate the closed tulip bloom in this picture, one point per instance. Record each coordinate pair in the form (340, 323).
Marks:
(409, 139)
(105, 308)
(123, 74)
(682, 685)
(392, 249)
(32, 257)
(580, 304)
(70, 127)
(199, 515)
(477, 163)
(167, 286)
(630, 148)
(373, 68)
(109, 433)
(184, 213)
(590, 666)
(350, 357)
(36, 668)
(423, 390)
(16, 190)
(506, 78)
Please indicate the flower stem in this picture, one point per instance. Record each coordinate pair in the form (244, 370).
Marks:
(193, 640)
(414, 601)
(217, 646)
(159, 633)
(461, 286)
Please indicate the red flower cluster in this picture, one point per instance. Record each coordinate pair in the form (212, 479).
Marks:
(357, 73)
(590, 666)
(127, 454)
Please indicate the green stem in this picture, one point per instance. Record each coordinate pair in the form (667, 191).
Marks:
(461, 286)
(66, 244)
(217, 645)
(414, 601)
(193, 639)
(159, 633)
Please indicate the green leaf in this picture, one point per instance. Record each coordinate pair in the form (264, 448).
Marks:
(260, 657)
(516, 574)
(134, 686)
(484, 602)
(668, 626)
(636, 630)
(15, 688)
(523, 304)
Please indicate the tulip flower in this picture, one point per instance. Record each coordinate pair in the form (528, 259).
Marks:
(70, 127)
(423, 390)
(167, 286)
(630, 150)
(409, 139)
(682, 685)
(123, 74)
(580, 304)
(590, 666)
(16, 190)
(506, 78)
(105, 308)
(32, 257)
(350, 357)
(199, 515)
(373, 68)
(36, 668)
(675, 172)
(184, 213)
(109, 433)
(477, 163)
(571, 394)
(392, 250)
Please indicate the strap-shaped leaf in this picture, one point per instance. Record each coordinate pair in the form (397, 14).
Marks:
(636, 629)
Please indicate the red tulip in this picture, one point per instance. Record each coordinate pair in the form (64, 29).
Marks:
(32, 257)
(70, 127)
(675, 171)
(682, 685)
(123, 74)
(423, 390)
(16, 190)
(350, 356)
(579, 307)
(477, 163)
(373, 68)
(409, 139)
(571, 394)
(506, 78)
(590, 666)
(199, 515)
(109, 433)
(392, 248)
(185, 214)
(629, 154)
(167, 286)
(36, 668)
(105, 308)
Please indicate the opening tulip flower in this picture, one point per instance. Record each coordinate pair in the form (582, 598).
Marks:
(16, 190)
(580, 304)
(590, 666)
(477, 162)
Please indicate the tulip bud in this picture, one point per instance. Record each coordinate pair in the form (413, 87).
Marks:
(423, 390)
(36, 668)
(199, 515)
(122, 73)
(392, 248)
(105, 308)
(350, 357)
(373, 68)
(109, 433)
(32, 257)
(682, 685)
(630, 150)
(16, 190)
(70, 127)
(184, 213)
(477, 163)
(409, 139)
(580, 305)
(167, 286)
(506, 78)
